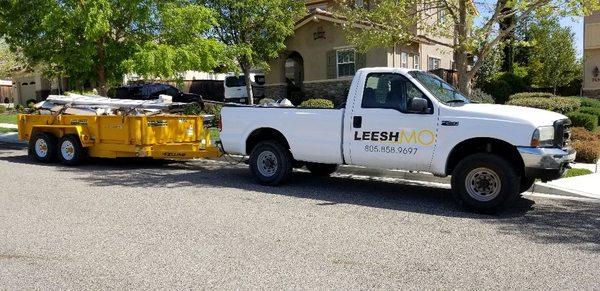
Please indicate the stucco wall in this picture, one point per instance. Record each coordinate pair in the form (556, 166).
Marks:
(591, 82)
(314, 52)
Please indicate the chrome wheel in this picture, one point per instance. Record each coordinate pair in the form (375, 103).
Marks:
(41, 148)
(267, 163)
(483, 184)
(67, 150)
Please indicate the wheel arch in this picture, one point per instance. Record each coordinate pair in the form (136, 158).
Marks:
(262, 134)
(484, 145)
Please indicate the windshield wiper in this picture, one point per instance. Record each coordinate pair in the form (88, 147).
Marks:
(456, 101)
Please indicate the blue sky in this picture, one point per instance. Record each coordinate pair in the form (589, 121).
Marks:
(576, 25)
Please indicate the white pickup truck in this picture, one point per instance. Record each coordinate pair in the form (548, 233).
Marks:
(408, 120)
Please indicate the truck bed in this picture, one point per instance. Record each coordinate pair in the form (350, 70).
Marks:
(314, 135)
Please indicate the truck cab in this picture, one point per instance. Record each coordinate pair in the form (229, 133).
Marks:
(408, 120)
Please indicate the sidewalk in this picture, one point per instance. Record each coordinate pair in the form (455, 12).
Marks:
(8, 125)
(10, 137)
(583, 186)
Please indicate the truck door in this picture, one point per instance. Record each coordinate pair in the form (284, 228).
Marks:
(385, 132)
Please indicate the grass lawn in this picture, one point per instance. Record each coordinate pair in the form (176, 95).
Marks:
(8, 118)
(577, 172)
(5, 130)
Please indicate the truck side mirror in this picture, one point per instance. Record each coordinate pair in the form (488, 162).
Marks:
(418, 105)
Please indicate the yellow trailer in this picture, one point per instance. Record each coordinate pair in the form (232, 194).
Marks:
(71, 138)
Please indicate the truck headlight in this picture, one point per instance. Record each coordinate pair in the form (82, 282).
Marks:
(543, 137)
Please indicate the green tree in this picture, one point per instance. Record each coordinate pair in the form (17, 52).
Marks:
(553, 60)
(254, 30)
(180, 44)
(9, 60)
(86, 39)
(399, 21)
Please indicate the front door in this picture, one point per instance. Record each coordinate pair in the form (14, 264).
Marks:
(384, 131)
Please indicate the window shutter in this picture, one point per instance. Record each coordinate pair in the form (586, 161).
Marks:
(331, 65)
(361, 60)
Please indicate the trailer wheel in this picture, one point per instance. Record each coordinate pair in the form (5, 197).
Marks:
(321, 170)
(485, 183)
(271, 163)
(70, 150)
(43, 147)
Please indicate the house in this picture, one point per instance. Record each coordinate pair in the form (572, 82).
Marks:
(319, 62)
(591, 55)
(31, 86)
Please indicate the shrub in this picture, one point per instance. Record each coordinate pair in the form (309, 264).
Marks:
(2, 109)
(556, 104)
(500, 90)
(19, 108)
(481, 97)
(577, 172)
(580, 133)
(502, 85)
(265, 101)
(531, 95)
(588, 121)
(589, 102)
(587, 151)
(316, 103)
(591, 110)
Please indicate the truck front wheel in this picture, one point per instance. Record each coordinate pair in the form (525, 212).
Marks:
(321, 170)
(485, 182)
(271, 163)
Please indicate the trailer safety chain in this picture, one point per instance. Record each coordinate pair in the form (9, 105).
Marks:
(229, 158)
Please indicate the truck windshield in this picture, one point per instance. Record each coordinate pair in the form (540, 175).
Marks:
(441, 90)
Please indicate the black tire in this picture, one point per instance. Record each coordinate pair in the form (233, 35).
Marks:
(73, 153)
(485, 172)
(321, 170)
(46, 147)
(262, 167)
(526, 184)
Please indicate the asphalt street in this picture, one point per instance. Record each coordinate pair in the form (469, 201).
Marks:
(127, 224)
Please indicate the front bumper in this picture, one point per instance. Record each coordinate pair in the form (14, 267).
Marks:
(546, 163)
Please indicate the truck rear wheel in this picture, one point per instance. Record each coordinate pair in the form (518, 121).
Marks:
(485, 183)
(43, 147)
(321, 170)
(70, 150)
(271, 163)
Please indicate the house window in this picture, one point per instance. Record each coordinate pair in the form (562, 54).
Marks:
(404, 60)
(441, 14)
(346, 62)
(416, 62)
(433, 63)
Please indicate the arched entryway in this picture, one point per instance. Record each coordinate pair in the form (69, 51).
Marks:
(294, 76)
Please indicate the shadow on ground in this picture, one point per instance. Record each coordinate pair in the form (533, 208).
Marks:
(575, 223)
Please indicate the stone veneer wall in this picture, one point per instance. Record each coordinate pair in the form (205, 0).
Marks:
(334, 90)
(592, 93)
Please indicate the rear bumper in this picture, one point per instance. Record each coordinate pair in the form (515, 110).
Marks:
(546, 163)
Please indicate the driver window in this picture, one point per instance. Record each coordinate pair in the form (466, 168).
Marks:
(389, 91)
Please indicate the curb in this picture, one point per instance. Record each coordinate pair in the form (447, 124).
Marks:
(11, 137)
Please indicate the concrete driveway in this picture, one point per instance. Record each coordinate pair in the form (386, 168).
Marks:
(140, 225)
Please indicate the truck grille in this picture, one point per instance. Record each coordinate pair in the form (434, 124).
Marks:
(562, 133)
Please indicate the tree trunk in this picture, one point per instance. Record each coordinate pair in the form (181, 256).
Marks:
(101, 70)
(246, 70)
(461, 54)
(509, 45)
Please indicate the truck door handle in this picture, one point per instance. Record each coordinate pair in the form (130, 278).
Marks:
(357, 122)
